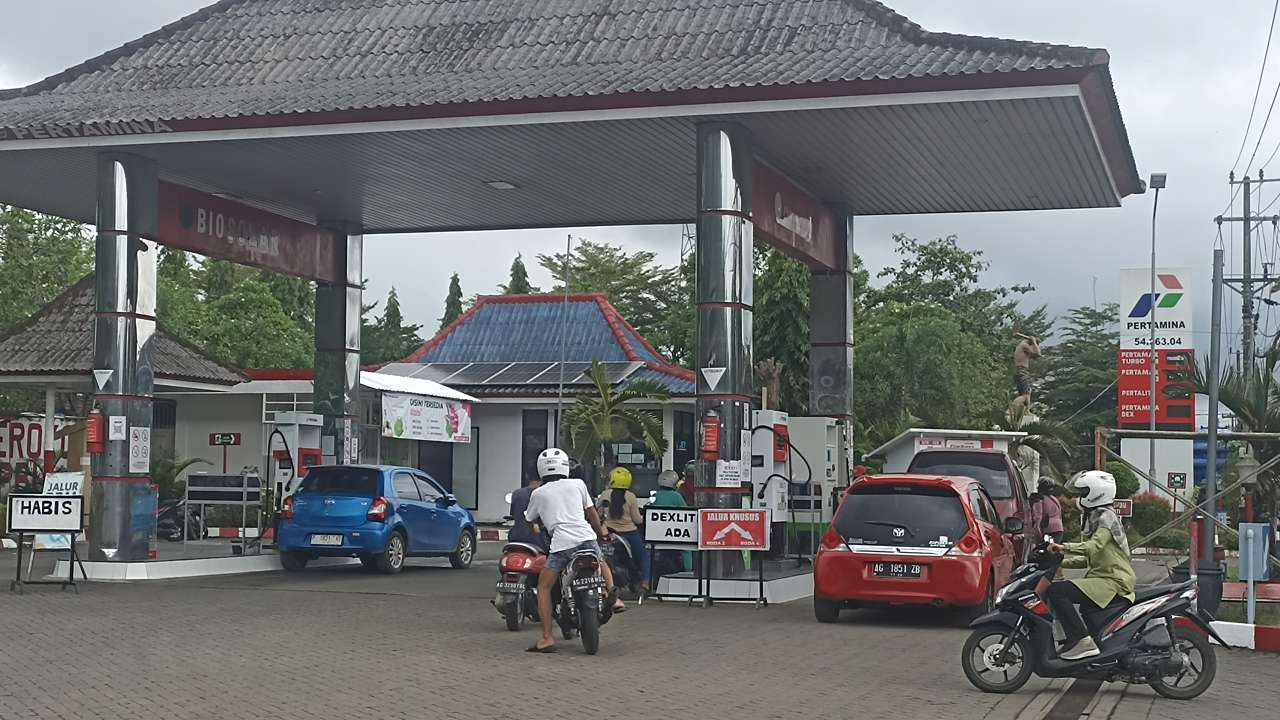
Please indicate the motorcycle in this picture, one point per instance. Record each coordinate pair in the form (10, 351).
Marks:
(626, 571)
(580, 602)
(1160, 640)
(517, 587)
(169, 521)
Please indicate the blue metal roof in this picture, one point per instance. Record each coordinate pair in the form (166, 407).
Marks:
(531, 328)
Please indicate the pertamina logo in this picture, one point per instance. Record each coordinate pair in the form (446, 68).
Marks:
(1164, 301)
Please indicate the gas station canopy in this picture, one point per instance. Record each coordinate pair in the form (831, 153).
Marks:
(408, 115)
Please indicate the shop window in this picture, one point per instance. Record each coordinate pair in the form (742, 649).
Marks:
(684, 438)
(436, 460)
(631, 453)
(466, 471)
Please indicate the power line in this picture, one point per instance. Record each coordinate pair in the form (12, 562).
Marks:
(1256, 90)
(1094, 400)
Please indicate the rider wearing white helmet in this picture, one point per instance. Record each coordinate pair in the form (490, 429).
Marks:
(563, 506)
(1104, 551)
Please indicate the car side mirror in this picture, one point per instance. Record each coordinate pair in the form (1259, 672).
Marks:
(446, 501)
(1014, 525)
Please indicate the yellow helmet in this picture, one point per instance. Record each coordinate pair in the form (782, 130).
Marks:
(619, 479)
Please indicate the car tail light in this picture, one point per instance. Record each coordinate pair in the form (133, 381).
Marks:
(286, 512)
(378, 510)
(831, 540)
(968, 545)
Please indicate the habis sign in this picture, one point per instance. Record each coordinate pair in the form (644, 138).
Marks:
(228, 230)
(46, 513)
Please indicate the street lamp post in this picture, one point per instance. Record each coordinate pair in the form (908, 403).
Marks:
(1157, 183)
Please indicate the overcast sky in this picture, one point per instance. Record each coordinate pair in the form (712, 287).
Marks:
(1184, 77)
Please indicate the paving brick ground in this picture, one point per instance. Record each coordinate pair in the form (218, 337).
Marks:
(426, 644)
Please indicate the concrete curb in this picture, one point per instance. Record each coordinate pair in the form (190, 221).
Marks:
(1262, 638)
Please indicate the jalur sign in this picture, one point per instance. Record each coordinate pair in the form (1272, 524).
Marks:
(733, 529)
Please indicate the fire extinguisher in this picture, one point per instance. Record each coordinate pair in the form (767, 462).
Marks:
(95, 432)
(711, 437)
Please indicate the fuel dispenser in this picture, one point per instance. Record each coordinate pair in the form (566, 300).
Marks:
(293, 446)
(821, 440)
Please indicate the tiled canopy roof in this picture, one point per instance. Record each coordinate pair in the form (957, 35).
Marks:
(529, 329)
(239, 58)
(58, 341)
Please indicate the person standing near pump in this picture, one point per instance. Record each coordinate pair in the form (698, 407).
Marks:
(1046, 511)
(563, 507)
(621, 512)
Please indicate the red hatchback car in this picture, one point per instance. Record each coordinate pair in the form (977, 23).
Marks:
(913, 540)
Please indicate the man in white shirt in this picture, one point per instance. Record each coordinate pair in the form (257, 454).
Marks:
(563, 506)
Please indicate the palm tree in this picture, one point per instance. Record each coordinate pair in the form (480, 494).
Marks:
(1051, 440)
(601, 418)
(1252, 393)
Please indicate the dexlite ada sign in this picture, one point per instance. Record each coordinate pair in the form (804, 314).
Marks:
(1170, 306)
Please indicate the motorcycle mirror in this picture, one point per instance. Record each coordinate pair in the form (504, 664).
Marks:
(508, 498)
(1013, 525)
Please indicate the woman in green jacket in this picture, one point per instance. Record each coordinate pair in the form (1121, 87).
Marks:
(1105, 552)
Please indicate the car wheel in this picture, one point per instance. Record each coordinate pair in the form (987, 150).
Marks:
(461, 558)
(391, 560)
(368, 561)
(293, 561)
(826, 611)
(974, 612)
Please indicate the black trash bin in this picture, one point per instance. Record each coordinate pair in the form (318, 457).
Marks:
(1209, 581)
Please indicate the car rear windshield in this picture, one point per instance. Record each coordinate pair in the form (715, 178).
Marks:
(354, 482)
(987, 468)
(910, 515)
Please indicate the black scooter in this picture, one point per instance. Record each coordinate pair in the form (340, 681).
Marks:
(1158, 641)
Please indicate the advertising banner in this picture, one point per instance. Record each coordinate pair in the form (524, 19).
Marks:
(1170, 306)
(414, 417)
(1170, 310)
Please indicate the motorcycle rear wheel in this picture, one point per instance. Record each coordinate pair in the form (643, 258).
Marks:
(589, 627)
(989, 674)
(1203, 663)
(511, 613)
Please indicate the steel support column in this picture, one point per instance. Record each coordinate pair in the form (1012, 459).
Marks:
(831, 332)
(724, 295)
(123, 523)
(337, 383)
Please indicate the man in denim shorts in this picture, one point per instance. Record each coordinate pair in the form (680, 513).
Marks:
(563, 506)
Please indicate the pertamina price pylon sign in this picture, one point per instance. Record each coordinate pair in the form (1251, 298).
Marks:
(1169, 308)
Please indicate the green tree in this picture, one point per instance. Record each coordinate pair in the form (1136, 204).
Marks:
(40, 256)
(297, 297)
(389, 338)
(1126, 481)
(636, 284)
(253, 330)
(518, 283)
(781, 323)
(179, 307)
(452, 302)
(917, 358)
(606, 415)
(1079, 383)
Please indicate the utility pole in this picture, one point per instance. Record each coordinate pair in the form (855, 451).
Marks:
(1245, 281)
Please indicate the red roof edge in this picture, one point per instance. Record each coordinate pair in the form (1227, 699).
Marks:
(614, 319)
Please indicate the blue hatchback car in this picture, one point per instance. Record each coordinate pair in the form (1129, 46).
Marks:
(377, 513)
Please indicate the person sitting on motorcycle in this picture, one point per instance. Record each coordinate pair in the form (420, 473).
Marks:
(563, 507)
(521, 530)
(1104, 551)
(621, 511)
(668, 496)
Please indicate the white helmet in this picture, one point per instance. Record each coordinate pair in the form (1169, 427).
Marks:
(1095, 488)
(553, 461)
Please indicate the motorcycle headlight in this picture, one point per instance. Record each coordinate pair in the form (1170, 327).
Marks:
(1000, 595)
